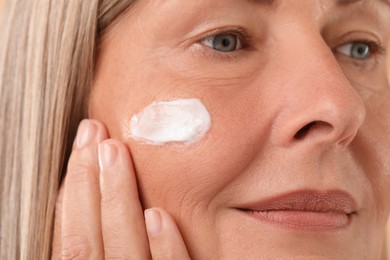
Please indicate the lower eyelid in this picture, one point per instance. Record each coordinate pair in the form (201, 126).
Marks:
(360, 66)
(201, 50)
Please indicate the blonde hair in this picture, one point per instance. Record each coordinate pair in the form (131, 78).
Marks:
(47, 52)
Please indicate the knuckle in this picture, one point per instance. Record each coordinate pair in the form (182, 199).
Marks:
(169, 253)
(112, 233)
(109, 197)
(80, 173)
(76, 247)
(118, 253)
(164, 256)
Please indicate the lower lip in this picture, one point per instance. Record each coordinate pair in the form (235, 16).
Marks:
(303, 220)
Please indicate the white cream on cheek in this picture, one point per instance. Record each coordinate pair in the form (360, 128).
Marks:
(181, 120)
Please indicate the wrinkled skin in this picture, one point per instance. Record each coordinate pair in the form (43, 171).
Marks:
(291, 72)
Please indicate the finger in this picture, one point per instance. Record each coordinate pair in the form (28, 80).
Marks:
(57, 245)
(123, 226)
(81, 227)
(165, 240)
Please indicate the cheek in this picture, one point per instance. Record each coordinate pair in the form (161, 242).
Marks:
(372, 150)
(376, 132)
(187, 178)
(181, 177)
(177, 176)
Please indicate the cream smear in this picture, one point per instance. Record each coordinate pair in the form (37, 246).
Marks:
(181, 120)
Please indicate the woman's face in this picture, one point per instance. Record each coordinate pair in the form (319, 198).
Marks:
(296, 159)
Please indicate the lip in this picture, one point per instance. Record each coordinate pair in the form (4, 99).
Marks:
(305, 210)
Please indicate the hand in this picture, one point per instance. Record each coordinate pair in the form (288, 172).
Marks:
(98, 212)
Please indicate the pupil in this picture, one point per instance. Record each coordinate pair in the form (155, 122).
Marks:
(362, 50)
(225, 42)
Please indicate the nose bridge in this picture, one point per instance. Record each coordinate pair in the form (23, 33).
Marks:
(319, 104)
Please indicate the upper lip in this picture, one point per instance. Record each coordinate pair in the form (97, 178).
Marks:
(336, 201)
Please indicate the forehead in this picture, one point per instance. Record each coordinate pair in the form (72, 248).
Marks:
(208, 8)
(324, 5)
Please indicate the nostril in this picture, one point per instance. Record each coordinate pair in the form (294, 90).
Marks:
(304, 131)
(312, 128)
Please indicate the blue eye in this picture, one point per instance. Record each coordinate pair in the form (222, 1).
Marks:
(226, 42)
(356, 50)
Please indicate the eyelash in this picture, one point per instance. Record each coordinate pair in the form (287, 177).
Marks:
(376, 47)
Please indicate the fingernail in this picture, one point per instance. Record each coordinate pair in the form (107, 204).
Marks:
(107, 155)
(153, 222)
(85, 133)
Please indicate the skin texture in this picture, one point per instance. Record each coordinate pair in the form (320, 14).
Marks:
(290, 74)
(98, 212)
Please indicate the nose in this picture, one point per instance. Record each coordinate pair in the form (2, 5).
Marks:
(320, 106)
